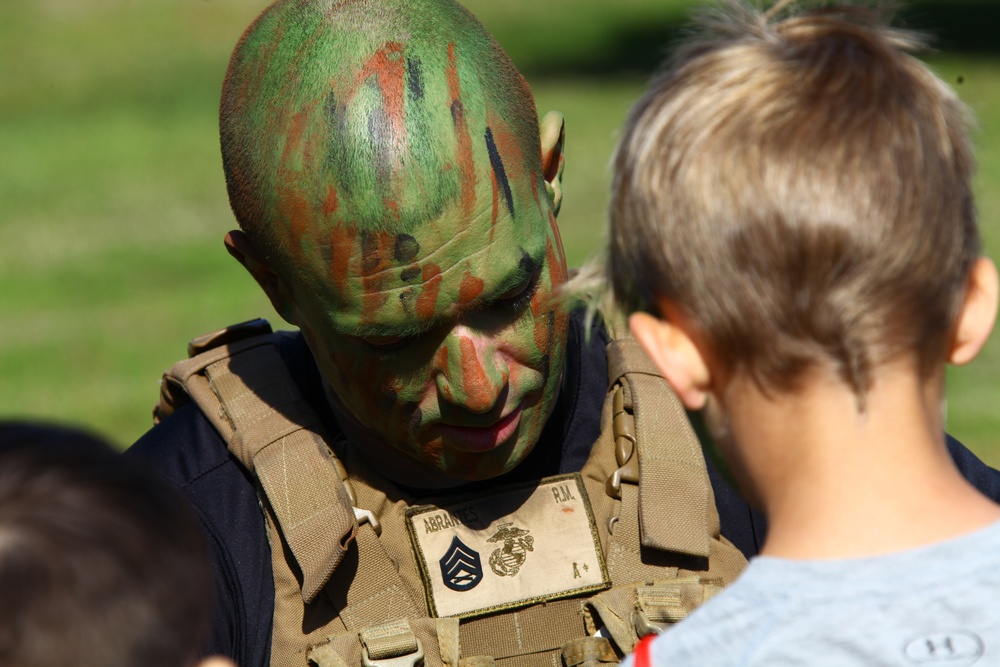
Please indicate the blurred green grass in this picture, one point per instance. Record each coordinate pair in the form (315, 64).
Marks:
(113, 208)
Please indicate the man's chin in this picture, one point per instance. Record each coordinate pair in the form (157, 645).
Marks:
(464, 466)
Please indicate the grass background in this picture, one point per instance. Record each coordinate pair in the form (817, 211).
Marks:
(112, 204)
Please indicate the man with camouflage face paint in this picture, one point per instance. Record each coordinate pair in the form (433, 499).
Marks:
(436, 443)
(396, 210)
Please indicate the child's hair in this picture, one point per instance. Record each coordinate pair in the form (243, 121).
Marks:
(101, 562)
(800, 187)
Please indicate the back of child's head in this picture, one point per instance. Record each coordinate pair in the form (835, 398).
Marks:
(799, 186)
(101, 563)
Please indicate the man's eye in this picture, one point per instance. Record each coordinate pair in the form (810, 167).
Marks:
(512, 294)
(384, 342)
(517, 298)
(387, 346)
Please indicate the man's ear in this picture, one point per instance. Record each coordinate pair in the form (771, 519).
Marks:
(552, 131)
(674, 353)
(978, 313)
(276, 289)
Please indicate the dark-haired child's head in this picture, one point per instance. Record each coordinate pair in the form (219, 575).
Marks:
(101, 562)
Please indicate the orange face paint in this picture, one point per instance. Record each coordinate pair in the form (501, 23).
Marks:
(427, 300)
(471, 288)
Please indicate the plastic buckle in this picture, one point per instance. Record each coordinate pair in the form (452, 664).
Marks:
(366, 516)
(407, 660)
(644, 626)
(360, 515)
(623, 427)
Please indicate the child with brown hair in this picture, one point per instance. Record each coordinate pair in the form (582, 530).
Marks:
(793, 224)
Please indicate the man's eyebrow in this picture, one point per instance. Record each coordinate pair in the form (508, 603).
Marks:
(526, 268)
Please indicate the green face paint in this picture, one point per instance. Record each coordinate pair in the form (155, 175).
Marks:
(446, 343)
(387, 156)
(368, 113)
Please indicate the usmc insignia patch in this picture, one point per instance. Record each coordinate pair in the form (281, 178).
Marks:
(512, 547)
(507, 560)
(461, 569)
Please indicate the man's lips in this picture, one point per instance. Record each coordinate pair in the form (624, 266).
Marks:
(481, 439)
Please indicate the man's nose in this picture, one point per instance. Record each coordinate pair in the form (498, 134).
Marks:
(474, 373)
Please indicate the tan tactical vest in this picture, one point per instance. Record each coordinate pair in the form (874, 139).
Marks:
(355, 585)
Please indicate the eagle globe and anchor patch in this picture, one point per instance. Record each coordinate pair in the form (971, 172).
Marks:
(513, 547)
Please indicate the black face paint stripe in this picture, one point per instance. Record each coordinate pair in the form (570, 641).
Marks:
(406, 249)
(528, 264)
(414, 79)
(406, 299)
(457, 113)
(498, 171)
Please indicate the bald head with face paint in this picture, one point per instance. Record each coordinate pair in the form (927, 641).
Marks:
(397, 204)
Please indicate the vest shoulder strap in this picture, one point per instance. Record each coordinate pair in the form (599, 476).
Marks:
(657, 448)
(238, 379)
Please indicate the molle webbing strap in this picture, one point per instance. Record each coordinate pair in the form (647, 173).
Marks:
(403, 642)
(390, 640)
(665, 554)
(246, 391)
(526, 636)
(477, 661)
(588, 652)
(676, 510)
(376, 591)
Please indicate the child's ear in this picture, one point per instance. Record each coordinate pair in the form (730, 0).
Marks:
(674, 353)
(978, 313)
(552, 131)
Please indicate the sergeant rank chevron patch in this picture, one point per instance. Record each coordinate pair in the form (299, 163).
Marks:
(461, 568)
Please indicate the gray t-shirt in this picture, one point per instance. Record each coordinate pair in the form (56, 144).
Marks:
(937, 606)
